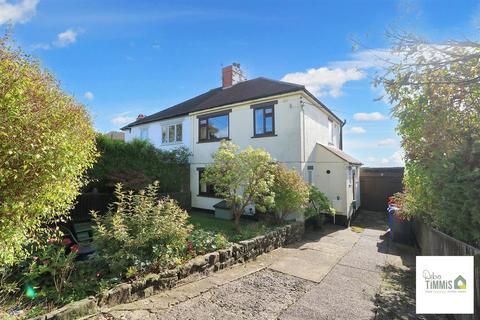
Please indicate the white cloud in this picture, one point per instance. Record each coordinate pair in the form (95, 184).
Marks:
(386, 142)
(66, 38)
(88, 95)
(373, 116)
(357, 130)
(371, 58)
(63, 40)
(325, 81)
(394, 160)
(122, 119)
(20, 11)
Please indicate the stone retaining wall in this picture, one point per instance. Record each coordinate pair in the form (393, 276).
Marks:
(154, 283)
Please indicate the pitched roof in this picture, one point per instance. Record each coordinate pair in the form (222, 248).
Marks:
(243, 91)
(341, 154)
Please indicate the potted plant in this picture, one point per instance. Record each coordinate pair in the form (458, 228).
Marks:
(400, 219)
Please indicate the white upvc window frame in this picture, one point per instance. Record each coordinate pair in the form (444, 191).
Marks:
(167, 131)
(330, 131)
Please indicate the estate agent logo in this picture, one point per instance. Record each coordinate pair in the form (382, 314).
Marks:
(460, 283)
(444, 285)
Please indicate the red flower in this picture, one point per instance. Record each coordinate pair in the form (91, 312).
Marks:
(75, 248)
(51, 240)
(45, 262)
(67, 241)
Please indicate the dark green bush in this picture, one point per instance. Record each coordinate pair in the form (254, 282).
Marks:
(137, 164)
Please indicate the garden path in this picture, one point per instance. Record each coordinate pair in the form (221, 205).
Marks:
(335, 273)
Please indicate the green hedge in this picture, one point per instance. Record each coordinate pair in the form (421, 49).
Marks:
(136, 164)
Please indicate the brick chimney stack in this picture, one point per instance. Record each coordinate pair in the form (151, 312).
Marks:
(232, 75)
(140, 116)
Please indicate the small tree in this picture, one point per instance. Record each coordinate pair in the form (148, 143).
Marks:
(46, 143)
(241, 178)
(291, 191)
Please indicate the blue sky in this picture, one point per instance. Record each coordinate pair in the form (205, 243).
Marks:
(121, 58)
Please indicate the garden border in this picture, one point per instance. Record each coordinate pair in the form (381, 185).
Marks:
(151, 284)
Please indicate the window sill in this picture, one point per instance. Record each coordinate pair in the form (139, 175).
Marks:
(212, 140)
(265, 135)
(208, 196)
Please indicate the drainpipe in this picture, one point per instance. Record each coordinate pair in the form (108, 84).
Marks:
(341, 133)
(302, 104)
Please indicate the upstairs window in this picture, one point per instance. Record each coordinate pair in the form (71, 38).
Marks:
(264, 119)
(213, 127)
(144, 133)
(330, 131)
(172, 133)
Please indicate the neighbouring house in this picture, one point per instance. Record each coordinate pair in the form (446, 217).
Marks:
(283, 118)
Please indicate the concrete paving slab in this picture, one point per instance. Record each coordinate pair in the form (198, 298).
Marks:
(323, 246)
(364, 258)
(307, 264)
(195, 288)
(236, 272)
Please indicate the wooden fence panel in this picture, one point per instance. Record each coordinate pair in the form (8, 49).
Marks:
(435, 243)
(377, 184)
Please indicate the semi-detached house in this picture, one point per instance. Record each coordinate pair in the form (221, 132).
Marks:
(283, 118)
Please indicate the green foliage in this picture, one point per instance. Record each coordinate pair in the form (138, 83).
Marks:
(141, 232)
(291, 191)
(241, 177)
(49, 271)
(136, 164)
(201, 241)
(319, 206)
(436, 96)
(46, 144)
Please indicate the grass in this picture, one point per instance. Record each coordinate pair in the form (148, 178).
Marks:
(249, 229)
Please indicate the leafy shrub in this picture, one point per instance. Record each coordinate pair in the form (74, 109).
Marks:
(137, 164)
(201, 241)
(141, 232)
(319, 206)
(291, 191)
(46, 144)
(435, 98)
(49, 271)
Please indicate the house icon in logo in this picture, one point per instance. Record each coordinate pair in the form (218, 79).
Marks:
(460, 283)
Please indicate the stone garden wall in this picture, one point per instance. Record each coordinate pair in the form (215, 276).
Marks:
(211, 262)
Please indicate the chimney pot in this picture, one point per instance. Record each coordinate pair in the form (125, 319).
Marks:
(140, 116)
